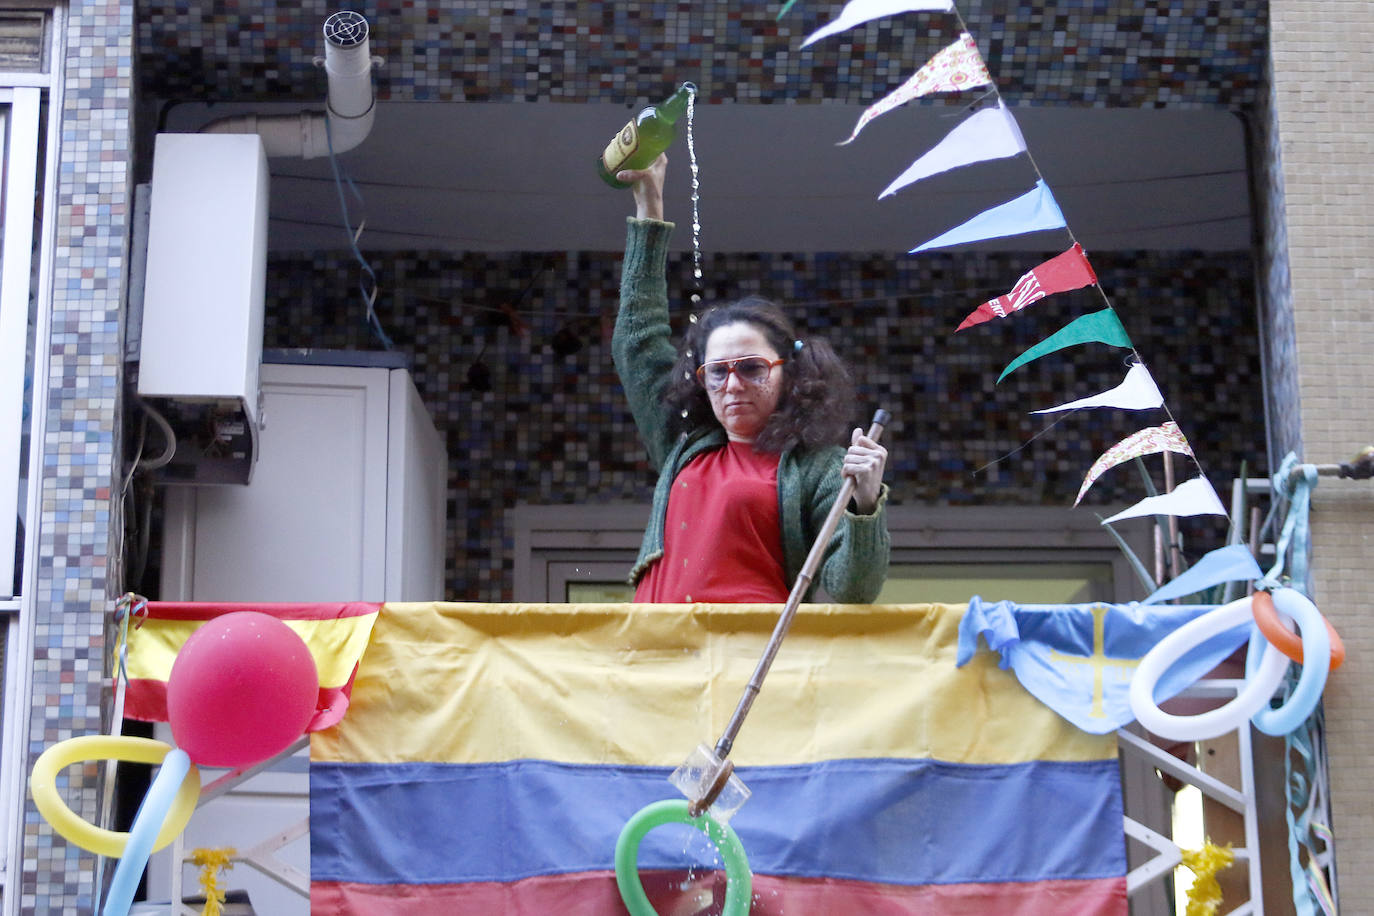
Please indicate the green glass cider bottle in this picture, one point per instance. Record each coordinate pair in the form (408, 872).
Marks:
(646, 135)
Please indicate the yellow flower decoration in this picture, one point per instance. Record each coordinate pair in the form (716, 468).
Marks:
(1204, 897)
(210, 862)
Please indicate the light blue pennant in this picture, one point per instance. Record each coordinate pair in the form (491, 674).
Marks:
(1233, 563)
(1031, 212)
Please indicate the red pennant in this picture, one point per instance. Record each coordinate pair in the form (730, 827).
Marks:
(1060, 273)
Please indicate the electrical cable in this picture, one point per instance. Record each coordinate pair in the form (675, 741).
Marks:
(135, 507)
(138, 455)
(789, 195)
(369, 295)
(144, 533)
(152, 464)
(446, 237)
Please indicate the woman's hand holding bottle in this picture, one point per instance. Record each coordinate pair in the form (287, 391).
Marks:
(647, 184)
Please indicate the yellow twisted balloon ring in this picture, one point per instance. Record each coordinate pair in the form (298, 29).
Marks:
(124, 748)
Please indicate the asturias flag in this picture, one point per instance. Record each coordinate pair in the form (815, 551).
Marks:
(1078, 658)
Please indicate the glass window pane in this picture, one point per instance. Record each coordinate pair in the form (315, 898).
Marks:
(599, 592)
(21, 41)
(1023, 583)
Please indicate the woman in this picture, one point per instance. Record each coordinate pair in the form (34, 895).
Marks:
(744, 427)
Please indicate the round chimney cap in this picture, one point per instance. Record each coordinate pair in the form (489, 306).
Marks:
(345, 29)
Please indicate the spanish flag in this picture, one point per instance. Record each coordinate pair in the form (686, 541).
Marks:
(494, 752)
(336, 635)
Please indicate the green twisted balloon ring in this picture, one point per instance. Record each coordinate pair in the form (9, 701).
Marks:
(739, 882)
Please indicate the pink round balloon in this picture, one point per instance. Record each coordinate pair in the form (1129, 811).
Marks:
(242, 688)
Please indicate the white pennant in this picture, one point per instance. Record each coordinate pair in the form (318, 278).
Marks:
(990, 134)
(857, 12)
(1194, 497)
(1137, 392)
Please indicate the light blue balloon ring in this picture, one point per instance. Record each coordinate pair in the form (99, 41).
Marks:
(147, 824)
(1316, 653)
(739, 881)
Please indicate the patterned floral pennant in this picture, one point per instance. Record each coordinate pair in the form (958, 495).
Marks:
(1164, 438)
(956, 68)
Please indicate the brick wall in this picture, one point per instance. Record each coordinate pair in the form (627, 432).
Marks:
(1320, 52)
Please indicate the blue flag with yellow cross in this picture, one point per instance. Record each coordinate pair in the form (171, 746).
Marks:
(1078, 659)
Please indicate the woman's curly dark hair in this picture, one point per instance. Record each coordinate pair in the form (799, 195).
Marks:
(817, 391)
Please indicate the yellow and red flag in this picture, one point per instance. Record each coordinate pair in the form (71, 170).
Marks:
(336, 634)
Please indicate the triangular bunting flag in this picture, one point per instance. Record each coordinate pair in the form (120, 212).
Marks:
(1137, 392)
(857, 12)
(956, 68)
(1163, 438)
(1232, 563)
(1195, 497)
(990, 134)
(1031, 212)
(1096, 327)
(1061, 273)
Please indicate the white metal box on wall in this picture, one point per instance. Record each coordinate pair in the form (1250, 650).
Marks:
(204, 289)
(348, 503)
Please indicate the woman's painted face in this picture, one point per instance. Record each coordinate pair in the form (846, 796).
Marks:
(743, 407)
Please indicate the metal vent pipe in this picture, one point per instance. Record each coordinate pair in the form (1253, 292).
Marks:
(349, 107)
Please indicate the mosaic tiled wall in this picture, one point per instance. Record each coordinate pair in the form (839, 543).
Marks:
(79, 464)
(553, 427)
(1086, 52)
(1279, 355)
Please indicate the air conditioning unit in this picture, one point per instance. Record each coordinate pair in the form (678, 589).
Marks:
(203, 294)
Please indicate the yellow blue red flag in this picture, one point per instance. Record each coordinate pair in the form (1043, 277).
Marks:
(493, 753)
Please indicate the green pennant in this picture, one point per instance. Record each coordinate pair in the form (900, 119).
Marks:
(1100, 327)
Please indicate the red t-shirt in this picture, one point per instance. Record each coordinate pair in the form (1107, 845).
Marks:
(722, 540)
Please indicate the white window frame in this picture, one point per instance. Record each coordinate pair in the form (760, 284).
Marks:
(23, 93)
(554, 545)
(19, 127)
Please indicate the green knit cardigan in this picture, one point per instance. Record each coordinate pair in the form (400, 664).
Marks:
(855, 564)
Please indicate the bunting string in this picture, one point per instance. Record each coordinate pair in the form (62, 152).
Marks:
(1022, 447)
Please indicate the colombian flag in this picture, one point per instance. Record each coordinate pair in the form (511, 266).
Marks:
(494, 752)
(336, 635)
